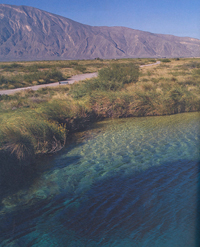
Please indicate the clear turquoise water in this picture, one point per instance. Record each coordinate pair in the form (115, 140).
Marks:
(126, 182)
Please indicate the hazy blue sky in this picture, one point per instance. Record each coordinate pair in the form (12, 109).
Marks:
(177, 17)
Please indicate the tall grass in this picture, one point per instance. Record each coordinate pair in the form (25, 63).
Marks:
(26, 134)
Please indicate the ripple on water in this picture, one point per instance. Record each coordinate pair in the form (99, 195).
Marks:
(131, 182)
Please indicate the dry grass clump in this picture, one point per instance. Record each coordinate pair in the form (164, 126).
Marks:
(25, 135)
(17, 143)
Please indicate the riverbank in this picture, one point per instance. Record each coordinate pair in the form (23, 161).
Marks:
(39, 122)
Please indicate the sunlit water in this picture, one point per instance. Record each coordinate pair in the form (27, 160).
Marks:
(127, 182)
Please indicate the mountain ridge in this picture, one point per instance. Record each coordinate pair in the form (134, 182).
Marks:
(28, 33)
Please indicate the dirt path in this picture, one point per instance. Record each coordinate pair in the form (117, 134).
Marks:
(71, 80)
(80, 77)
(146, 65)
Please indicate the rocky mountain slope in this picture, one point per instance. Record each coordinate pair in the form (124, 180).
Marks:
(27, 33)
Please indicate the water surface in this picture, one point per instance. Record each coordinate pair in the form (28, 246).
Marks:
(126, 182)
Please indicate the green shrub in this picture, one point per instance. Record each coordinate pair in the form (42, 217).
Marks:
(123, 73)
(54, 75)
(109, 79)
(152, 60)
(165, 60)
(80, 68)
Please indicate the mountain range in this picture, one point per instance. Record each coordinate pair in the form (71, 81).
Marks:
(27, 33)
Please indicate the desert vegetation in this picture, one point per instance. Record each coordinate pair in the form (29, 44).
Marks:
(23, 74)
(38, 122)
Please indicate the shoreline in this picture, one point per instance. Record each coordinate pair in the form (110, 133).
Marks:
(72, 127)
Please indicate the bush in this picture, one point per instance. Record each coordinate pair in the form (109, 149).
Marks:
(80, 68)
(165, 60)
(152, 60)
(109, 79)
(54, 75)
(123, 73)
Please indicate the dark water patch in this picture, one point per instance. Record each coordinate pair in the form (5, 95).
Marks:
(119, 208)
(14, 177)
(131, 183)
(157, 199)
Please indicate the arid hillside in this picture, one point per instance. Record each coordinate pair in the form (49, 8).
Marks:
(27, 33)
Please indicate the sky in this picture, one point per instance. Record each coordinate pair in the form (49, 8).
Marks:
(176, 17)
